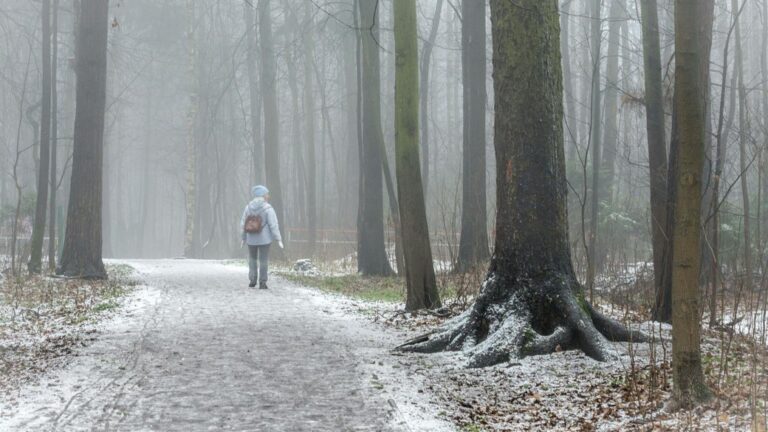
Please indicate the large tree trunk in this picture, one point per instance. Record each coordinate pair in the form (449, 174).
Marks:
(426, 60)
(371, 255)
(419, 269)
(271, 117)
(473, 244)
(531, 302)
(657, 149)
(689, 386)
(39, 227)
(82, 244)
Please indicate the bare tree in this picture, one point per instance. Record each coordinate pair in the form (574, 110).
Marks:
(82, 243)
(371, 256)
(426, 61)
(39, 227)
(473, 244)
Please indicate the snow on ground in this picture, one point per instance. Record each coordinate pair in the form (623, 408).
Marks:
(198, 350)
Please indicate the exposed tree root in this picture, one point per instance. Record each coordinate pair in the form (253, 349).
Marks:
(532, 317)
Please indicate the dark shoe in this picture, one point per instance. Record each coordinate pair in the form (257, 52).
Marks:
(263, 285)
(252, 285)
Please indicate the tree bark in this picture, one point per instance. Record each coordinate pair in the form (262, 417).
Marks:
(39, 227)
(82, 245)
(371, 255)
(473, 244)
(689, 386)
(663, 307)
(419, 269)
(531, 302)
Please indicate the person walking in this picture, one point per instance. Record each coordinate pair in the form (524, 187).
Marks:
(260, 229)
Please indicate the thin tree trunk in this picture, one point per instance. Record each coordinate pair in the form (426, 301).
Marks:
(271, 115)
(426, 60)
(419, 270)
(611, 132)
(595, 146)
(657, 149)
(54, 141)
(309, 126)
(192, 115)
(371, 255)
(16, 180)
(82, 244)
(254, 95)
(721, 136)
(39, 227)
(743, 128)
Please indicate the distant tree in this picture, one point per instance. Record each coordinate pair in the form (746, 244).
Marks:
(473, 244)
(39, 227)
(308, 43)
(689, 385)
(254, 94)
(531, 302)
(426, 61)
(595, 141)
(743, 138)
(657, 148)
(82, 244)
(371, 255)
(191, 144)
(54, 184)
(419, 269)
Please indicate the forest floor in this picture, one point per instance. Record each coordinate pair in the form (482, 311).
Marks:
(567, 390)
(192, 348)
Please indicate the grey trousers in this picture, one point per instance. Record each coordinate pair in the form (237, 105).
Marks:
(258, 263)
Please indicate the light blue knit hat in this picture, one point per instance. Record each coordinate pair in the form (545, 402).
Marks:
(259, 191)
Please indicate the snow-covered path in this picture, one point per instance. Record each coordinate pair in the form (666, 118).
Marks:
(197, 350)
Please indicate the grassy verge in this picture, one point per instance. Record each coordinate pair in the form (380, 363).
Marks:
(384, 289)
(43, 319)
(457, 290)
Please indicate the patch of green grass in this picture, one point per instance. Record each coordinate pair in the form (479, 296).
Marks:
(473, 428)
(105, 306)
(385, 289)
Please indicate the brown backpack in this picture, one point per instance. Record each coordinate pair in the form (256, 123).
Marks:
(254, 224)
